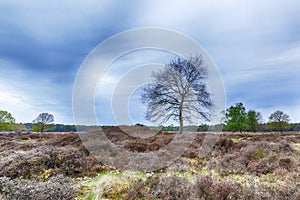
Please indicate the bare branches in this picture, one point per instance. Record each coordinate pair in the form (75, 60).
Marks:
(179, 92)
(42, 120)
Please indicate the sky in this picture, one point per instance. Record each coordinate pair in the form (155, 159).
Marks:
(254, 44)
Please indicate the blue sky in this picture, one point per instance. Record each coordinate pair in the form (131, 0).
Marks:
(254, 44)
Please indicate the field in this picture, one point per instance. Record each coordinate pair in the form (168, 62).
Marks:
(238, 166)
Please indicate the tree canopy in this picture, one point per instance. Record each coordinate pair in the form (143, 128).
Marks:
(236, 118)
(42, 121)
(279, 121)
(6, 121)
(253, 119)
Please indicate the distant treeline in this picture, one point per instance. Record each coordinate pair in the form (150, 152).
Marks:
(261, 127)
(27, 127)
(60, 127)
(205, 127)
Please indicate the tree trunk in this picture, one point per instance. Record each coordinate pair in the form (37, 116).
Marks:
(280, 127)
(180, 119)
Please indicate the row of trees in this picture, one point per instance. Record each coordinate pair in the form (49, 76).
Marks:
(40, 124)
(179, 92)
(238, 119)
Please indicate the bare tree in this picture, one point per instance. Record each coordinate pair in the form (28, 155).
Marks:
(179, 92)
(42, 120)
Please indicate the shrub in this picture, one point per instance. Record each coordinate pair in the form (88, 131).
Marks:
(27, 164)
(256, 151)
(287, 163)
(224, 144)
(231, 164)
(137, 190)
(58, 187)
(170, 187)
(257, 158)
(283, 146)
(185, 165)
(263, 166)
(211, 189)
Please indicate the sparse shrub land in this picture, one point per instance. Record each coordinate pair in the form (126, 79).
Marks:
(238, 166)
(57, 187)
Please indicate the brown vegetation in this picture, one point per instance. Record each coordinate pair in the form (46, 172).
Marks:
(43, 157)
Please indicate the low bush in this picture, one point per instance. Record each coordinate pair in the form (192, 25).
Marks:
(56, 188)
(254, 157)
(160, 186)
(284, 146)
(231, 164)
(224, 144)
(171, 186)
(263, 166)
(33, 163)
(287, 163)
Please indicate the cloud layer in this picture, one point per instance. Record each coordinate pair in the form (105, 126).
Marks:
(255, 45)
